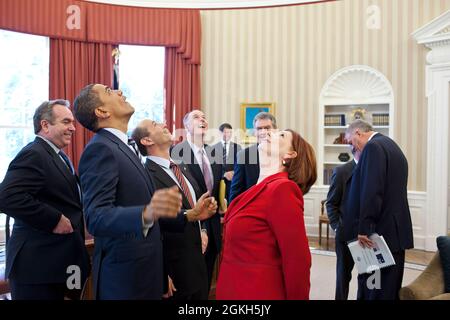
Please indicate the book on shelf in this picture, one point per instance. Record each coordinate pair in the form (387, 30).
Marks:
(334, 120)
(380, 119)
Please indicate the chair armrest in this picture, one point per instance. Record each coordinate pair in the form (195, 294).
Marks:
(444, 296)
(429, 284)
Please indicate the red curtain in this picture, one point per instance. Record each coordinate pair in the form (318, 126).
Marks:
(85, 57)
(182, 88)
(73, 65)
(62, 19)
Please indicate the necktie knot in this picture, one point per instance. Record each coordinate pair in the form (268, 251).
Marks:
(131, 142)
(133, 145)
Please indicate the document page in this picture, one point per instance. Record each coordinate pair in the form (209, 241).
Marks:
(370, 259)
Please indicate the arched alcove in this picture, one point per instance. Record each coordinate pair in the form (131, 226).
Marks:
(354, 89)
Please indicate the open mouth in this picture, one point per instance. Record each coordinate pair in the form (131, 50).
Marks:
(202, 126)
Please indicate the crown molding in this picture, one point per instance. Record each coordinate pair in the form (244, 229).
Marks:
(435, 35)
(205, 4)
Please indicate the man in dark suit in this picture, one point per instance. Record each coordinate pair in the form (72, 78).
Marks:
(204, 165)
(246, 168)
(121, 207)
(228, 149)
(41, 192)
(337, 195)
(378, 203)
(183, 257)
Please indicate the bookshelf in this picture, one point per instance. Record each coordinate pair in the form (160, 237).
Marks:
(352, 92)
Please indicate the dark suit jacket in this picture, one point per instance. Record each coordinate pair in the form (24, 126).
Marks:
(37, 189)
(183, 152)
(183, 258)
(337, 194)
(231, 159)
(246, 171)
(127, 264)
(378, 200)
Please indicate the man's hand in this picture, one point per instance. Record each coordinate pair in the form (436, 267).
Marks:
(165, 203)
(204, 208)
(229, 175)
(170, 290)
(364, 241)
(204, 240)
(64, 226)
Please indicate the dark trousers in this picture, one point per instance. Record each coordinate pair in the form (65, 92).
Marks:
(227, 190)
(199, 295)
(390, 281)
(56, 291)
(210, 259)
(344, 267)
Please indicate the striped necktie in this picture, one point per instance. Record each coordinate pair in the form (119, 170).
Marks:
(184, 187)
(134, 146)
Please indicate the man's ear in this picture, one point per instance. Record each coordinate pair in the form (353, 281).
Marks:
(102, 113)
(44, 125)
(147, 141)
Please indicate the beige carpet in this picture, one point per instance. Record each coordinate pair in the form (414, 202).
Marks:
(323, 276)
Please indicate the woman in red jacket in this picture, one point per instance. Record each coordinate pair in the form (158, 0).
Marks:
(266, 253)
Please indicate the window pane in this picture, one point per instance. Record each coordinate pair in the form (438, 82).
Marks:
(141, 78)
(11, 141)
(24, 76)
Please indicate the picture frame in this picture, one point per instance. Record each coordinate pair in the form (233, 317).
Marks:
(248, 112)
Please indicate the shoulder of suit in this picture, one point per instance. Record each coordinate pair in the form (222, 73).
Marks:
(38, 146)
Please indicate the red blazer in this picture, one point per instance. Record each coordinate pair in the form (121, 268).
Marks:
(266, 253)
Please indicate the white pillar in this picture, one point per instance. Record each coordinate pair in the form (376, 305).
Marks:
(436, 36)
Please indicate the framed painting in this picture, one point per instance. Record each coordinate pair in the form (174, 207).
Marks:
(250, 110)
(248, 113)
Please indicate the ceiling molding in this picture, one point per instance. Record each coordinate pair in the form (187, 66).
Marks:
(435, 35)
(207, 4)
(434, 32)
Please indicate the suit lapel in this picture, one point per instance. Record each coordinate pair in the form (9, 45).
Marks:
(216, 169)
(63, 169)
(133, 158)
(159, 174)
(194, 169)
(185, 170)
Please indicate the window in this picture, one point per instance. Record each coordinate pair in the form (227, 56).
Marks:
(24, 78)
(141, 79)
